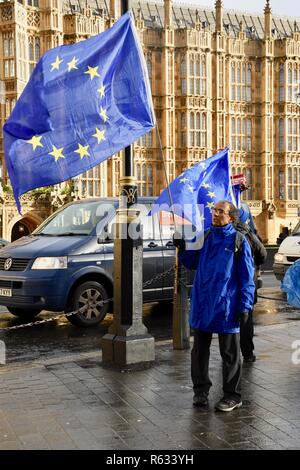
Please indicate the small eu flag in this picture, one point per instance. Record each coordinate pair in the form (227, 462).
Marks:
(83, 103)
(195, 191)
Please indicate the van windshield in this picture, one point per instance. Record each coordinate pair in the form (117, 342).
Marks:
(78, 219)
(296, 230)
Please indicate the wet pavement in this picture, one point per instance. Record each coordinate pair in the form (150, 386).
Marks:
(60, 337)
(55, 394)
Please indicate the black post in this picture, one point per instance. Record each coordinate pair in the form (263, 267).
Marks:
(128, 155)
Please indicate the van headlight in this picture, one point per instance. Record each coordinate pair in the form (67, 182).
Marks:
(278, 258)
(60, 262)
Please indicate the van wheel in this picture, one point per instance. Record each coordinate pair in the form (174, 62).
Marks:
(23, 313)
(87, 299)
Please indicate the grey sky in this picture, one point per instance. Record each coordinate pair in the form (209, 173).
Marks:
(289, 8)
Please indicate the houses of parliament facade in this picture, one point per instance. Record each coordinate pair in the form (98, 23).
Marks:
(218, 77)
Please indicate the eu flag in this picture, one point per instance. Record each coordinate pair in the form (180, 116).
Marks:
(83, 103)
(196, 190)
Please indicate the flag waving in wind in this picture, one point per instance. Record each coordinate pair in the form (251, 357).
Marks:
(83, 103)
(195, 191)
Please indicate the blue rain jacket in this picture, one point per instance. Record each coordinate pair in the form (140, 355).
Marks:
(223, 284)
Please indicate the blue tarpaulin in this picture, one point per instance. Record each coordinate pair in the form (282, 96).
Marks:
(291, 284)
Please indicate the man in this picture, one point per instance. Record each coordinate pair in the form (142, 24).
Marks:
(222, 296)
(259, 254)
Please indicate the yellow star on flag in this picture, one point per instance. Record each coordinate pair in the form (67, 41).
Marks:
(99, 135)
(183, 180)
(202, 164)
(210, 205)
(56, 64)
(92, 71)
(82, 150)
(72, 64)
(205, 185)
(211, 194)
(190, 188)
(103, 114)
(35, 141)
(101, 91)
(57, 153)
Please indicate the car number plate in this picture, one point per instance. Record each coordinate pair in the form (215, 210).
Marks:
(5, 292)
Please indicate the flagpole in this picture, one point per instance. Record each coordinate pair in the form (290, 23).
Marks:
(128, 342)
(166, 175)
(181, 331)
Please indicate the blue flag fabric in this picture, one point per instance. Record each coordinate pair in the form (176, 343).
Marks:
(83, 103)
(196, 190)
(236, 188)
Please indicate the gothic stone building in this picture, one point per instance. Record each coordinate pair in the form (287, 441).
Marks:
(219, 78)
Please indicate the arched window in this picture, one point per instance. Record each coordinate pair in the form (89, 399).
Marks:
(192, 130)
(281, 83)
(183, 68)
(197, 130)
(11, 47)
(249, 83)
(290, 184)
(281, 135)
(290, 132)
(281, 183)
(249, 135)
(37, 49)
(203, 76)
(203, 130)
(31, 50)
(249, 183)
(183, 75)
(149, 66)
(6, 47)
(232, 68)
(233, 134)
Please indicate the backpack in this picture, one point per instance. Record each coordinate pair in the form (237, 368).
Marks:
(258, 250)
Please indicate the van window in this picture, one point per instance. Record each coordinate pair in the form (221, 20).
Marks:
(148, 223)
(77, 219)
(296, 230)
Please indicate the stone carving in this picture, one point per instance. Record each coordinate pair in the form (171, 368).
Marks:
(270, 208)
(6, 13)
(33, 19)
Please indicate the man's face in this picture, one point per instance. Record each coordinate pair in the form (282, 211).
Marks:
(220, 214)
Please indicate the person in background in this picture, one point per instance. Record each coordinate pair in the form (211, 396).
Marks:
(247, 227)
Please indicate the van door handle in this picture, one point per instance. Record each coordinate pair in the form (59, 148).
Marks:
(152, 245)
(169, 244)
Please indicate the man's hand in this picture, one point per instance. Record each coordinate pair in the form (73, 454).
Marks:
(178, 241)
(242, 317)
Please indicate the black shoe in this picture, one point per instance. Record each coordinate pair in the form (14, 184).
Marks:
(200, 399)
(228, 404)
(249, 359)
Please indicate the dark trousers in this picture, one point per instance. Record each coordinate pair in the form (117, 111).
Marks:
(229, 344)
(246, 334)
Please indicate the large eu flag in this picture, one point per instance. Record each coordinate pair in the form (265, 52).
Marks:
(196, 190)
(83, 103)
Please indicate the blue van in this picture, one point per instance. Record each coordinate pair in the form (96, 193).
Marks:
(66, 264)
